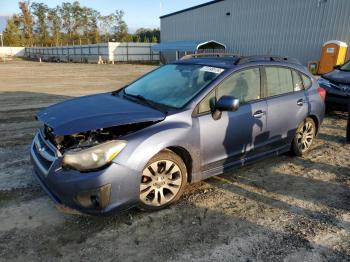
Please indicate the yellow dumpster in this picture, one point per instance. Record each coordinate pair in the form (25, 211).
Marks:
(333, 53)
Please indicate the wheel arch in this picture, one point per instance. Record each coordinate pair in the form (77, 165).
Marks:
(317, 122)
(186, 157)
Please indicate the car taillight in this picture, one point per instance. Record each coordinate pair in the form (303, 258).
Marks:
(322, 92)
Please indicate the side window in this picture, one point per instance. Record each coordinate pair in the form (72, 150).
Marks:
(279, 81)
(206, 103)
(297, 82)
(244, 85)
(307, 81)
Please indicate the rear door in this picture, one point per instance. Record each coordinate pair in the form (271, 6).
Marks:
(287, 105)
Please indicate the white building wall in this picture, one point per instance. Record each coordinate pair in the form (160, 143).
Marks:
(11, 51)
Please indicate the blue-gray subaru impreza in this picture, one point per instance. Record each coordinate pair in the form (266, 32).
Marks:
(181, 123)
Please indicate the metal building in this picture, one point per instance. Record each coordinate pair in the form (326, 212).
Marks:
(294, 28)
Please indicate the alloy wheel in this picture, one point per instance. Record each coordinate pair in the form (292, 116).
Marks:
(305, 136)
(160, 183)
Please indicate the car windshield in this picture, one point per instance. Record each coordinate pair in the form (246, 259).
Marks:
(346, 67)
(173, 85)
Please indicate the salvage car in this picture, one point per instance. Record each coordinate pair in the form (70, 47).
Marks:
(181, 123)
(337, 86)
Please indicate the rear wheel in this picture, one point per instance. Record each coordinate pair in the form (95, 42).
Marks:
(163, 181)
(304, 137)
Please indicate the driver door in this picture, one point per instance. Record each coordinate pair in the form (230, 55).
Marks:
(226, 141)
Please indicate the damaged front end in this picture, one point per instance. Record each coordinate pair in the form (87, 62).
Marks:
(72, 154)
(77, 170)
(92, 150)
(91, 138)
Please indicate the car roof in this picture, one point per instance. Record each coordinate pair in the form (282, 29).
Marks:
(235, 61)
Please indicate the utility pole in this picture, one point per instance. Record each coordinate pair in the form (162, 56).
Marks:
(2, 42)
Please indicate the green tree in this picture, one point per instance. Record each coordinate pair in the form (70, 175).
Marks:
(40, 11)
(79, 19)
(154, 39)
(120, 28)
(144, 33)
(106, 25)
(93, 31)
(55, 23)
(12, 33)
(27, 23)
(67, 20)
(69, 23)
(137, 38)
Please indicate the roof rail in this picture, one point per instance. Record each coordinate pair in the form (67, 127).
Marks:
(257, 58)
(209, 55)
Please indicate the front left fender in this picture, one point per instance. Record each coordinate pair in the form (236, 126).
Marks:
(144, 145)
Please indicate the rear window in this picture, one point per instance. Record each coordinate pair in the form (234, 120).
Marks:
(297, 81)
(279, 81)
(306, 80)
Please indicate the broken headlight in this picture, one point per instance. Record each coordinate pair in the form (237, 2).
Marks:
(93, 157)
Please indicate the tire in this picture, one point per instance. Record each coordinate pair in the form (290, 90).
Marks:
(304, 137)
(163, 181)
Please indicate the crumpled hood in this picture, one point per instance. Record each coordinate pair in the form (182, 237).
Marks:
(338, 76)
(95, 111)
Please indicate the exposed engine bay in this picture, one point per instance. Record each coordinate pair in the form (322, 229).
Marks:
(93, 137)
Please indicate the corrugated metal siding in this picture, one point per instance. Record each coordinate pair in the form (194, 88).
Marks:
(295, 28)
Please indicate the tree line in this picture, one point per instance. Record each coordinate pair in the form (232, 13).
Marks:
(69, 24)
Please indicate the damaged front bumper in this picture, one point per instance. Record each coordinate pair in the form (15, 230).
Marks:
(113, 188)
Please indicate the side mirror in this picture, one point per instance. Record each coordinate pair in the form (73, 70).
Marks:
(225, 103)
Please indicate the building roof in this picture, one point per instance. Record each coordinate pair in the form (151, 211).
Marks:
(191, 8)
(190, 46)
(337, 42)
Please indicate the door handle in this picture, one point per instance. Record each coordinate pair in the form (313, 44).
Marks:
(300, 102)
(258, 114)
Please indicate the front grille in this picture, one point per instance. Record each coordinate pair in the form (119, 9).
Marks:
(43, 153)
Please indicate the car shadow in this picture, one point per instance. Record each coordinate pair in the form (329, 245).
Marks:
(183, 232)
(332, 138)
(289, 189)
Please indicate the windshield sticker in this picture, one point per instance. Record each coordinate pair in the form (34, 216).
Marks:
(214, 70)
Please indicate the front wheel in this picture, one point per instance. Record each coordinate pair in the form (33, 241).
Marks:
(163, 181)
(304, 137)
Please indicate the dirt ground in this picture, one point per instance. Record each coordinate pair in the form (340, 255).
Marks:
(283, 208)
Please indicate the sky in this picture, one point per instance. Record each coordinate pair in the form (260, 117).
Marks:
(138, 13)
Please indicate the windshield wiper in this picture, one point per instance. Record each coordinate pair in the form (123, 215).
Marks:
(143, 99)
